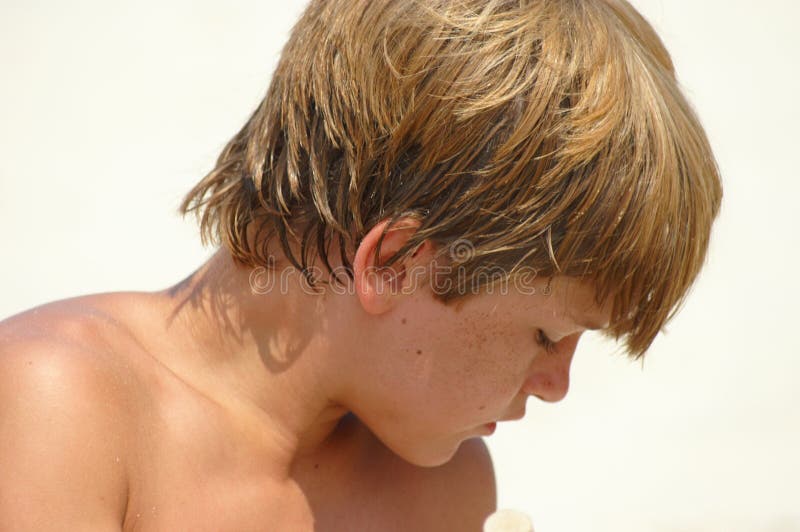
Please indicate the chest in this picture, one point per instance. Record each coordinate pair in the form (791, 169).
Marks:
(204, 474)
(251, 502)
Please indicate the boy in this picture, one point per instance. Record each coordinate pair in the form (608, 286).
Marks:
(431, 204)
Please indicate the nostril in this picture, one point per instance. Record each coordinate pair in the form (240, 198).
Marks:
(548, 387)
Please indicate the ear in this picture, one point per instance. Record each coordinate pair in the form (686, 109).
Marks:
(379, 288)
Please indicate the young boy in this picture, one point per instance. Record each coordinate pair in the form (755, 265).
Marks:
(431, 204)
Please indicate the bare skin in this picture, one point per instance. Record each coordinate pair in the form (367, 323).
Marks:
(209, 407)
(167, 456)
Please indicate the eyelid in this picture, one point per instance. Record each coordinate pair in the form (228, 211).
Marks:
(543, 340)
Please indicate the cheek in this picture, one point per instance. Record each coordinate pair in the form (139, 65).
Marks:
(485, 362)
(463, 361)
(497, 343)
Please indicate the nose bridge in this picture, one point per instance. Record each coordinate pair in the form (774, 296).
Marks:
(549, 380)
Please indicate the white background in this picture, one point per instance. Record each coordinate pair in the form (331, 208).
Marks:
(110, 112)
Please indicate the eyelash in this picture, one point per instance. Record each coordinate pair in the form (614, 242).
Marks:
(544, 341)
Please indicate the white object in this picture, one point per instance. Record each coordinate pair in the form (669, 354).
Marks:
(508, 521)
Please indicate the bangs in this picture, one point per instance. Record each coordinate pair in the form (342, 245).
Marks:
(595, 162)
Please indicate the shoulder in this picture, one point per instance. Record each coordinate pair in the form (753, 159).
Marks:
(69, 346)
(63, 415)
(66, 354)
(458, 495)
(463, 491)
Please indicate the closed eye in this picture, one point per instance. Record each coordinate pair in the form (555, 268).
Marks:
(545, 342)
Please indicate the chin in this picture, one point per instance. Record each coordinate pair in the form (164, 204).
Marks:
(420, 448)
(430, 455)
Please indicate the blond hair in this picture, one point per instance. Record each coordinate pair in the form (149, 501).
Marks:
(547, 133)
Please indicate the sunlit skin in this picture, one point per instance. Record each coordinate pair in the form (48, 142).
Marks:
(454, 368)
(287, 380)
(422, 375)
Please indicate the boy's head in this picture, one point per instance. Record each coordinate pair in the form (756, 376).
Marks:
(547, 135)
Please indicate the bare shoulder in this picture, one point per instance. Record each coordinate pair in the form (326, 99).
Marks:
(64, 407)
(458, 495)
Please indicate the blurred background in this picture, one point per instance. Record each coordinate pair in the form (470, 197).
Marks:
(111, 111)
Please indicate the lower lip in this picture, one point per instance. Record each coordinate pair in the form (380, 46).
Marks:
(490, 427)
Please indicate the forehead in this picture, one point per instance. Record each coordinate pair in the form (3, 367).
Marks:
(558, 298)
(578, 298)
(569, 299)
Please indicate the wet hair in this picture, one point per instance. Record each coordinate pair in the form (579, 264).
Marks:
(547, 134)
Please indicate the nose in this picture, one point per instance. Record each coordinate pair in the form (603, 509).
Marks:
(549, 376)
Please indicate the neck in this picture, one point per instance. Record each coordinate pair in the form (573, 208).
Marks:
(260, 355)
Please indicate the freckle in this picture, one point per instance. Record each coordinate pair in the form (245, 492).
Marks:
(419, 351)
(481, 407)
(403, 321)
(316, 466)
